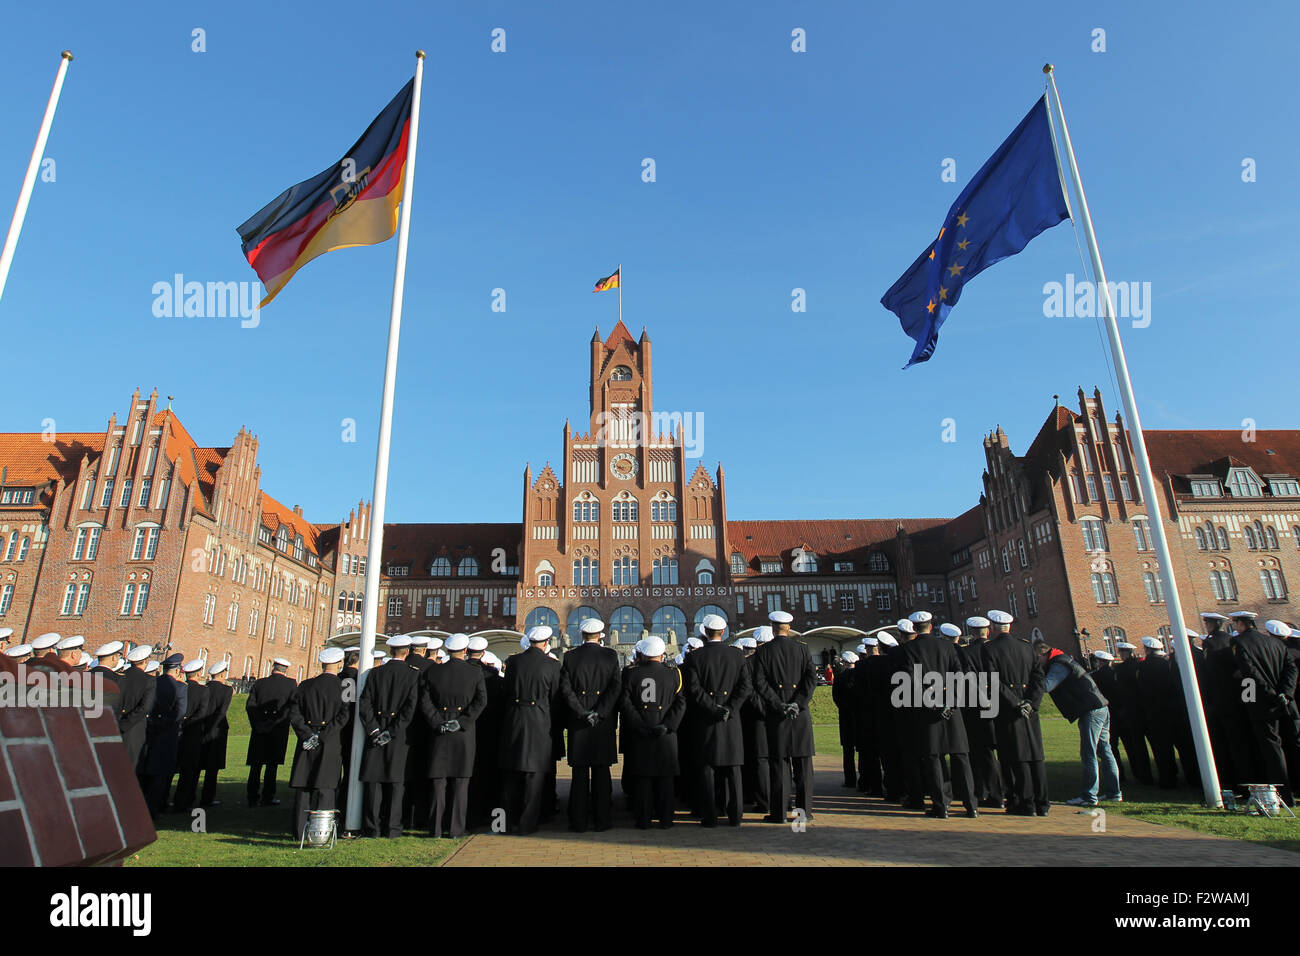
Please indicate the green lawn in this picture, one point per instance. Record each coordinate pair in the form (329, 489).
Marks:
(1179, 807)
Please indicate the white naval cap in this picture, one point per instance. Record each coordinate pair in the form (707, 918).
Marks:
(85, 660)
(352, 650)
(716, 622)
(478, 644)
(379, 655)
(920, 617)
(1000, 617)
(1103, 655)
(1125, 646)
(457, 642)
(45, 641)
(699, 630)
(1213, 616)
(887, 639)
(72, 643)
(151, 667)
(280, 662)
(141, 652)
(1191, 633)
(523, 642)
(435, 643)
(850, 657)
(420, 640)
(592, 625)
(680, 659)
(6, 633)
(650, 646)
(194, 666)
(977, 621)
(870, 641)
(1243, 615)
(442, 656)
(762, 634)
(949, 630)
(492, 659)
(109, 649)
(905, 626)
(398, 640)
(693, 642)
(538, 634)
(1278, 628)
(780, 617)
(18, 650)
(747, 642)
(1151, 642)
(120, 666)
(330, 655)
(219, 668)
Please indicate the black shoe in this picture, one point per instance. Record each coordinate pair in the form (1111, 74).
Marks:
(972, 812)
(912, 805)
(939, 813)
(771, 819)
(993, 804)
(1042, 811)
(1022, 812)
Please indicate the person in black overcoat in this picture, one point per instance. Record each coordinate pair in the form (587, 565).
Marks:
(452, 696)
(1126, 713)
(189, 759)
(845, 700)
(979, 729)
(215, 733)
(1225, 713)
(879, 716)
(1268, 681)
(133, 707)
(938, 729)
(485, 782)
(590, 686)
(267, 707)
(716, 685)
(1164, 715)
(417, 805)
(525, 751)
(389, 701)
(348, 676)
(867, 760)
(163, 733)
(651, 708)
(317, 714)
(1020, 687)
(756, 775)
(785, 678)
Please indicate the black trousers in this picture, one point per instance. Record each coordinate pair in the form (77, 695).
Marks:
(450, 804)
(779, 792)
(937, 781)
(156, 787)
(591, 797)
(484, 794)
(1028, 784)
(1268, 737)
(209, 791)
(762, 784)
(187, 788)
(305, 800)
(1133, 738)
(986, 773)
(1234, 748)
(526, 791)
(870, 777)
(850, 764)
(382, 810)
(268, 772)
(417, 802)
(716, 785)
(652, 797)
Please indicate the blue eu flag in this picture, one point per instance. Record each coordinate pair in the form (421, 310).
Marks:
(1016, 195)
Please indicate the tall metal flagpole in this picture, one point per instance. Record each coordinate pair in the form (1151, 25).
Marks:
(1181, 645)
(29, 181)
(375, 550)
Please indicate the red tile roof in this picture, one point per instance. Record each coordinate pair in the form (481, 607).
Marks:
(932, 548)
(30, 460)
(1211, 451)
(275, 514)
(620, 334)
(830, 539)
(418, 544)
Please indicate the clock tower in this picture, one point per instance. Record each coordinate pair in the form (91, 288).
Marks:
(625, 534)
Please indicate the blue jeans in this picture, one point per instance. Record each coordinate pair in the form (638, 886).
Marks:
(1094, 745)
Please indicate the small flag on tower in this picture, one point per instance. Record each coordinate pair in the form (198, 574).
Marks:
(609, 282)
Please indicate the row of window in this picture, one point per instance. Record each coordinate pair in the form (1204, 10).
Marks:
(1242, 483)
(471, 605)
(805, 562)
(16, 549)
(1222, 584)
(105, 499)
(17, 496)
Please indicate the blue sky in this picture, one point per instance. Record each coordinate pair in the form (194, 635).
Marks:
(775, 170)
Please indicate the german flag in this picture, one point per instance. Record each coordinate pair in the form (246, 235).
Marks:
(352, 203)
(609, 282)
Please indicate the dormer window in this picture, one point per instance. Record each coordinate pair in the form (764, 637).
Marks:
(1243, 483)
(1205, 488)
(1284, 487)
(737, 563)
(440, 568)
(282, 539)
(803, 562)
(621, 374)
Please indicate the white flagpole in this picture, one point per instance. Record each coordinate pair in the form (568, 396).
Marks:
(1181, 643)
(375, 549)
(29, 181)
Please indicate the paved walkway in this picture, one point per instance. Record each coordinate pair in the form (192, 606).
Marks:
(852, 830)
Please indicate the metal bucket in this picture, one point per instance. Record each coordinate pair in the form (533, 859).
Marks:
(1264, 799)
(320, 828)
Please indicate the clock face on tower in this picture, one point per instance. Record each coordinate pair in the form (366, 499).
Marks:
(623, 466)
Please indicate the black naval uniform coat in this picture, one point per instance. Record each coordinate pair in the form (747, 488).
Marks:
(1020, 677)
(979, 730)
(388, 703)
(268, 719)
(589, 681)
(716, 677)
(163, 734)
(784, 673)
(452, 691)
(651, 698)
(193, 725)
(317, 708)
(931, 733)
(751, 714)
(845, 700)
(138, 690)
(216, 727)
(532, 688)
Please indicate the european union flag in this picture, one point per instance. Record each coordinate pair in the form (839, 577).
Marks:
(1016, 195)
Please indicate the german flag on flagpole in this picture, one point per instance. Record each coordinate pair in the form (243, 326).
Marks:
(352, 203)
(609, 282)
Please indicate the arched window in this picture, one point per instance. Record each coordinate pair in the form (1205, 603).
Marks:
(708, 609)
(1248, 533)
(586, 572)
(1154, 587)
(573, 627)
(624, 509)
(1113, 636)
(467, 568)
(1223, 584)
(1024, 559)
(1270, 541)
(282, 539)
(1094, 535)
(1200, 538)
(621, 373)
(22, 548)
(665, 571)
(297, 548)
(440, 568)
(1142, 534)
(625, 625)
(1273, 582)
(669, 624)
(13, 546)
(128, 598)
(343, 601)
(663, 510)
(1221, 534)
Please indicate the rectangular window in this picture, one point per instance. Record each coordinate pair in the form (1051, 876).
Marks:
(883, 601)
(1110, 487)
(151, 544)
(125, 500)
(83, 596)
(773, 603)
(770, 567)
(6, 598)
(848, 604)
(69, 599)
(395, 606)
(508, 604)
(88, 495)
(1092, 488)
(471, 606)
(106, 498)
(810, 603)
(737, 564)
(1124, 488)
(137, 546)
